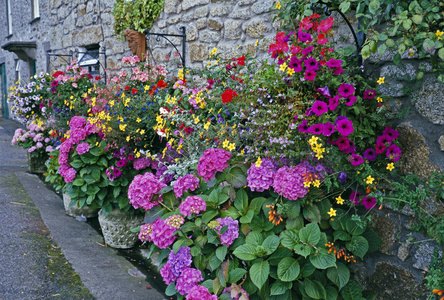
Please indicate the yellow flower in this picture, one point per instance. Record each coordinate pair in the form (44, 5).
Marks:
(147, 88)
(232, 147)
(142, 131)
(332, 212)
(242, 152)
(316, 183)
(411, 52)
(128, 138)
(339, 200)
(313, 140)
(138, 120)
(196, 120)
(307, 184)
(207, 125)
(283, 67)
(439, 34)
(278, 5)
(257, 42)
(369, 180)
(225, 144)
(122, 127)
(379, 99)
(290, 71)
(319, 155)
(390, 166)
(381, 80)
(258, 162)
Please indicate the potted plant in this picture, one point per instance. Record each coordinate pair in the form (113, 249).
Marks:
(132, 18)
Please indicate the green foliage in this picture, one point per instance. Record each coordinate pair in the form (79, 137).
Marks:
(435, 274)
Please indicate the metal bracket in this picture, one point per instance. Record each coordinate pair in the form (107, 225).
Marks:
(165, 36)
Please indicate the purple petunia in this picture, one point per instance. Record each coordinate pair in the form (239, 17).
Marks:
(304, 36)
(295, 64)
(303, 127)
(351, 100)
(333, 103)
(354, 197)
(333, 63)
(316, 129)
(369, 94)
(121, 163)
(328, 128)
(324, 91)
(369, 202)
(344, 127)
(319, 107)
(356, 159)
(393, 152)
(380, 148)
(346, 90)
(370, 154)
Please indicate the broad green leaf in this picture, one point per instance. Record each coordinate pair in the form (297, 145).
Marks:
(247, 218)
(254, 238)
(214, 262)
(441, 53)
(314, 289)
(78, 182)
(349, 50)
(260, 223)
(358, 246)
(341, 235)
(397, 59)
(245, 252)
(96, 151)
(221, 252)
(208, 216)
(312, 213)
(373, 6)
(278, 255)
(271, 243)
(407, 24)
(373, 240)
(76, 163)
(390, 43)
(429, 45)
(382, 48)
(256, 204)
(402, 48)
(344, 6)
(339, 275)
(241, 200)
(303, 250)
(323, 259)
(236, 177)
(236, 274)
(288, 269)
(171, 290)
(310, 234)
(289, 238)
(296, 223)
(332, 293)
(351, 291)
(373, 46)
(417, 19)
(279, 287)
(355, 227)
(293, 209)
(259, 273)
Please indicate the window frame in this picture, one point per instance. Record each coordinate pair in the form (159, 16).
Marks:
(9, 17)
(35, 9)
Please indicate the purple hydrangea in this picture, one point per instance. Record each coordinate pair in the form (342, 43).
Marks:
(185, 183)
(180, 261)
(212, 161)
(142, 190)
(199, 292)
(163, 234)
(192, 205)
(189, 278)
(82, 148)
(70, 175)
(142, 163)
(78, 135)
(261, 178)
(77, 122)
(145, 232)
(289, 182)
(227, 238)
(167, 274)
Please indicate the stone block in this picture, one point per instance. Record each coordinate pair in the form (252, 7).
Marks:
(386, 230)
(174, 20)
(192, 33)
(162, 24)
(262, 6)
(241, 14)
(215, 24)
(198, 52)
(81, 9)
(423, 256)
(220, 11)
(170, 6)
(429, 102)
(246, 2)
(233, 30)
(87, 36)
(404, 251)
(200, 12)
(256, 29)
(201, 23)
(402, 72)
(208, 36)
(441, 142)
(187, 4)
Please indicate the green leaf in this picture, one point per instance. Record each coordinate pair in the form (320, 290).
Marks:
(77, 163)
(289, 238)
(221, 252)
(171, 290)
(231, 212)
(288, 269)
(373, 240)
(116, 191)
(271, 243)
(279, 287)
(373, 46)
(236, 177)
(407, 24)
(96, 151)
(341, 235)
(339, 275)
(390, 43)
(374, 6)
(355, 227)
(259, 273)
(417, 19)
(208, 216)
(314, 289)
(247, 218)
(312, 213)
(254, 238)
(293, 210)
(310, 234)
(397, 59)
(358, 246)
(214, 262)
(429, 45)
(89, 179)
(236, 274)
(256, 204)
(278, 255)
(95, 173)
(78, 182)
(245, 252)
(241, 200)
(382, 48)
(351, 291)
(303, 250)
(344, 6)
(332, 293)
(323, 259)
(441, 53)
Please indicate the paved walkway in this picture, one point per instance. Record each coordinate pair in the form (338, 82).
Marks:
(45, 254)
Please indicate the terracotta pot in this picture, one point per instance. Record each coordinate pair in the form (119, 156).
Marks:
(76, 211)
(116, 228)
(136, 42)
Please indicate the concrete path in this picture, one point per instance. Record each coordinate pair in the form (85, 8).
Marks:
(45, 254)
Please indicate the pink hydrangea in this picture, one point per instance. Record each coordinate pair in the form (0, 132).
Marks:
(189, 278)
(82, 148)
(180, 261)
(145, 232)
(199, 292)
(261, 178)
(142, 190)
(289, 182)
(77, 122)
(163, 234)
(142, 163)
(227, 238)
(212, 161)
(70, 175)
(78, 135)
(192, 205)
(185, 183)
(167, 274)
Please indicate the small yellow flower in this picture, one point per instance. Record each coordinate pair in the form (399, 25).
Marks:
(258, 162)
(225, 144)
(316, 183)
(379, 99)
(290, 71)
(283, 67)
(339, 200)
(390, 166)
(439, 34)
(138, 120)
(207, 125)
(231, 147)
(313, 140)
(257, 42)
(332, 212)
(307, 184)
(369, 180)
(411, 52)
(122, 127)
(381, 80)
(278, 5)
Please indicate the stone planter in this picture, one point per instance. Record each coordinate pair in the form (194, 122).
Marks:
(36, 165)
(76, 211)
(116, 228)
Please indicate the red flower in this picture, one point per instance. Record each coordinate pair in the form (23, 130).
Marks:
(97, 78)
(228, 95)
(127, 87)
(134, 91)
(241, 61)
(161, 84)
(57, 74)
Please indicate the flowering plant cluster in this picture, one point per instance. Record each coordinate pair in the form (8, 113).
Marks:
(36, 139)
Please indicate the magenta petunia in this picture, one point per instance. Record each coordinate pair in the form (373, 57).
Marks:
(384, 139)
(304, 36)
(303, 127)
(333, 63)
(393, 152)
(380, 148)
(343, 143)
(351, 100)
(316, 129)
(369, 94)
(355, 197)
(346, 90)
(307, 50)
(319, 107)
(369, 202)
(295, 64)
(391, 133)
(311, 64)
(370, 154)
(310, 75)
(328, 128)
(344, 127)
(356, 159)
(338, 71)
(121, 163)
(333, 103)
(324, 91)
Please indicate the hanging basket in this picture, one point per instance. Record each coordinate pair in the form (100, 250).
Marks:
(116, 228)
(76, 211)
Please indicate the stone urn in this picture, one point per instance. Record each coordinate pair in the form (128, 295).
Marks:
(76, 211)
(36, 165)
(136, 42)
(116, 228)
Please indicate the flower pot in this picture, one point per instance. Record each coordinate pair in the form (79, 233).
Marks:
(136, 42)
(76, 211)
(36, 165)
(116, 228)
